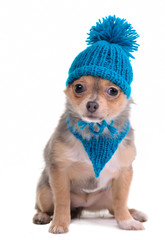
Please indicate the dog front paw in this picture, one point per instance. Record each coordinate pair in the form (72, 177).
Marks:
(131, 224)
(58, 229)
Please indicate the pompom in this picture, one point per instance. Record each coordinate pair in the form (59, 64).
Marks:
(114, 30)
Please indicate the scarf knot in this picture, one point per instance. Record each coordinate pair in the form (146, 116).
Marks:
(82, 125)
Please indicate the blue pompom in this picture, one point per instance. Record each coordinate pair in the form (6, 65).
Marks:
(114, 30)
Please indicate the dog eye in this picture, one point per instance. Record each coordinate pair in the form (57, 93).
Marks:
(79, 88)
(112, 91)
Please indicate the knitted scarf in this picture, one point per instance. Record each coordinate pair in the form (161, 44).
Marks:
(100, 147)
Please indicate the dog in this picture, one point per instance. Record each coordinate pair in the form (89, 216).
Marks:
(68, 184)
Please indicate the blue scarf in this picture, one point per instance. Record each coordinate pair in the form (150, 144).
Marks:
(100, 147)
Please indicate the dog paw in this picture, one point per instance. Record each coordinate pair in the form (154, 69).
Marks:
(58, 229)
(131, 224)
(139, 216)
(41, 218)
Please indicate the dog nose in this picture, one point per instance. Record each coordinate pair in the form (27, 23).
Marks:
(92, 106)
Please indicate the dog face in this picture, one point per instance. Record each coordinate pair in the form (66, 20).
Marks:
(95, 99)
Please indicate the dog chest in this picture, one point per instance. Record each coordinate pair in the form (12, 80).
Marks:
(77, 154)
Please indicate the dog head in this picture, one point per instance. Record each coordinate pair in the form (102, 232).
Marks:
(95, 98)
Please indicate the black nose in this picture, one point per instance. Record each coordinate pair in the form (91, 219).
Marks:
(92, 106)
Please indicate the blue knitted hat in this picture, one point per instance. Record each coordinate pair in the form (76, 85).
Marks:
(111, 42)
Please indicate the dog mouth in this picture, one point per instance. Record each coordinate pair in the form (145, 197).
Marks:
(91, 118)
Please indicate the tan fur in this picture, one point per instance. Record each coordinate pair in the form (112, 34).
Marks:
(60, 186)
(113, 106)
(64, 161)
(68, 170)
(120, 189)
(67, 162)
(108, 107)
(45, 199)
(127, 154)
(76, 99)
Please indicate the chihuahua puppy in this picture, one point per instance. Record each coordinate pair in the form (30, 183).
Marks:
(68, 183)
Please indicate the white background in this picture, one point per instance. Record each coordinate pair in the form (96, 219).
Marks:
(38, 42)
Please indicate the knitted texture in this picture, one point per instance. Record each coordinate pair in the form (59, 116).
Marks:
(112, 42)
(100, 149)
(101, 126)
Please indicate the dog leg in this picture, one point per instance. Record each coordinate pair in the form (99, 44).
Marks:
(44, 205)
(60, 185)
(120, 190)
